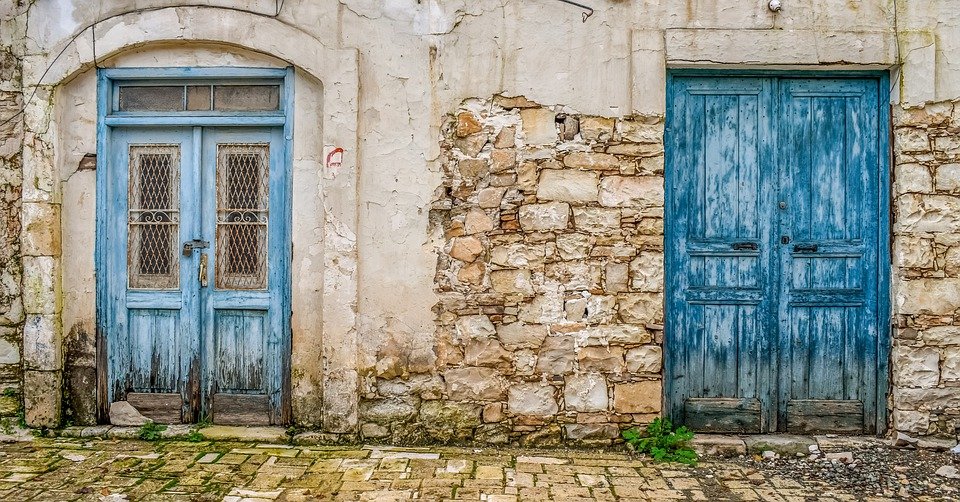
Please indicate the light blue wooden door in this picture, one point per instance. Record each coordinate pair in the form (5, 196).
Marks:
(773, 250)
(196, 258)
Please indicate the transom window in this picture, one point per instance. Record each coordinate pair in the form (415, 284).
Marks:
(255, 96)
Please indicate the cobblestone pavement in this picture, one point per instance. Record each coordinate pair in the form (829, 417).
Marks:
(113, 469)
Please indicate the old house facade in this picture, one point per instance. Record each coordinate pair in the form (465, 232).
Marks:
(496, 221)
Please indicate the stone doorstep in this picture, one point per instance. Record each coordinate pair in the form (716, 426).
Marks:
(721, 445)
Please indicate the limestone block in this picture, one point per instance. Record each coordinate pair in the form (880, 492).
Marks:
(518, 255)
(913, 398)
(951, 261)
(652, 165)
(42, 342)
(917, 366)
(591, 160)
(631, 191)
(641, 131)
(124, 414)
(911, 140)
(949, 145)
(511, 281)
(487, 352)
(387, 411)
(539, 126)
(524, 361)
(472, 144)
(623, 334)
(466, 249)
(597, 220)
(645, 359)
(586, 393)
(932, 296)
(519, 335)
(950, 372)
(575, 275)
(555, 356)
(543, 309)
(490, 198)
(506, 138)
(646, 272)
(594, 128)
(916, 422)
(599, 309)
(473, 169)
(568, 185)
(948, 178)
(9, 352)
(636, 149)
(583, 432)
(940, 335)
(913, 178)
(473, 384)
(615, 277)
(574, 246)
(641, 308)
(542, 217)
(575, 309)
(475, 326)
(503, 159)
(603, 359)
(467, 124)
(527, 176)
(42, 395)
(41, 229)
(472, 273)
(372, 430)
(477, 221)
(913, 252)
(493, 413)
(638, 397)
(532, 399)
(40, 284)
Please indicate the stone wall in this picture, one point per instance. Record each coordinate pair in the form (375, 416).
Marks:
(11, 307)
(926, 191)
(550, 279)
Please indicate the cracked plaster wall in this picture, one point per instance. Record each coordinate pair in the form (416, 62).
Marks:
(417, 61)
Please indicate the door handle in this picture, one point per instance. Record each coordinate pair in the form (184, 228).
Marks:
(805, 248)
(189, 246)
(203, 270)
(740, 246)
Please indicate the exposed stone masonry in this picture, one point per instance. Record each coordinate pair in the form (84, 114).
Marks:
(926, 352)
(550, 278)
(11, 306)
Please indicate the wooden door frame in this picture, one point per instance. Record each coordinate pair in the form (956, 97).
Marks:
(884, 255)
(107, 119)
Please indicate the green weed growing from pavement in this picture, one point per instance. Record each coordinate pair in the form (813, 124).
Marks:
(662, 442)
(151, 431)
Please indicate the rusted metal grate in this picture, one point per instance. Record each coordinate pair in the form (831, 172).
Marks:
(153, 205)
(243, 174)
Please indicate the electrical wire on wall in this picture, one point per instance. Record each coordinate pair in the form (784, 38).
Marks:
(93, 33)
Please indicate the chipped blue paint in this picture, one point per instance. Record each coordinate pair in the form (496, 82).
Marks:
(777, 245)
(190, 340)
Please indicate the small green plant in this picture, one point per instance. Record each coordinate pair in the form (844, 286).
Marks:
(151, 431)
(6, 425)
(204, 421)
(195, 436)
(662, 442)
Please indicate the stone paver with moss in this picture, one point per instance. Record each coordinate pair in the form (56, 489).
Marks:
(130, 469)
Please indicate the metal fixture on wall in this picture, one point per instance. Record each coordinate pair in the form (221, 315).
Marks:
(775, 5)
(587, 11)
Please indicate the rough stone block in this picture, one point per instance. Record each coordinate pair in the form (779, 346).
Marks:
(543, 217)
(41, 285)
(908, 139)
(585, 393)
(511, 282)
(631, 191)
(929, 296)
(591, 160)
(913, 252)
(642, 130)
(948, 178)
(616, 277)
(623, 334)
(532, 399)
(950, 371)
(638, 397)
(586, 432)
(917, 367)
(929, 213)
(42, 343)
(475, 326)
(574, 246)
(596, 128)
(568, 185)
(477, 221)
(646, 359)
(467, 124)
(466, 249)
(597, 220)
(473, 384)
(42, 398)
(601, 359)
(641, 308)
(518, 335)
(555, 356)
(518, 255)
(487, 352)
(539, 126)
(41, 229)
(575, 275)
(389, 410)
(646, 272)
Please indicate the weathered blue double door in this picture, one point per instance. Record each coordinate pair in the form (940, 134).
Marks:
(193, 255)
(773, 254)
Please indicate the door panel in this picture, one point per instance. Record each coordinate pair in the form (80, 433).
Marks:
(243, 316)
(154, 339)
(197, 272)
(830, 183)
(772, 253)
(719, 324)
